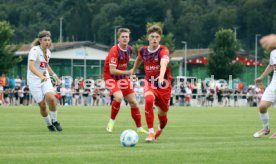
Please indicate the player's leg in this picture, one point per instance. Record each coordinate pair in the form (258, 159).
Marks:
(51, 101)
(49, 94)
(163, 119)
(264, 116)
(37, 93)
(267, 99)
(115, 107)
(135, 112)
(149, 113)
(162, 102)
(45, 115)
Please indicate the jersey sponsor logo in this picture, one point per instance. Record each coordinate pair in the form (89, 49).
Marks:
(113, 60)
(43, 65)
(153, 68)
(123, 65)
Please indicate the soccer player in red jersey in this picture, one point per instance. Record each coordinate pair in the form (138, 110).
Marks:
(117, 81)
(158, 78)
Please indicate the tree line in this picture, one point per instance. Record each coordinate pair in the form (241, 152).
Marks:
(193, 21)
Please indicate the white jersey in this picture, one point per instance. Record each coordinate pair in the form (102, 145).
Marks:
(41, 63)
(270, 91)
(272, 62)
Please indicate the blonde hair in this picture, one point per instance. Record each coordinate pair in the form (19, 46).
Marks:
(154, 28)
(41, 35)
(121, 30)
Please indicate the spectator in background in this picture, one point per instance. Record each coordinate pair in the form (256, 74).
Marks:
(219, 96)
(18, 81)
(236, 96)
(4, 81)
(26, 94)
(1, 94)
(96, 96)
(12, 82)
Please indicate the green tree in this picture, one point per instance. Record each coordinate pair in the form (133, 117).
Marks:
(7, 58)
(223, 52)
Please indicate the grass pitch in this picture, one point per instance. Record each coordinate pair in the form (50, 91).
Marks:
(193, 135)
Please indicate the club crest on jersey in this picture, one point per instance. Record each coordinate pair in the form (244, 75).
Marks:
(156, 58)
(144, 57)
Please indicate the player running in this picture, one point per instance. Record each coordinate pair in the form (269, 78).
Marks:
(38, 79)
(269, 96)
(158, 78)
(117, 81)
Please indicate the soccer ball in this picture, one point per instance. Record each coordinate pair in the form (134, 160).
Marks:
(129, 138)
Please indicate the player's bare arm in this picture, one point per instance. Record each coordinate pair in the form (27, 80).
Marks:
(136, 65)
(268, 69)
(115, 71)
(163, 64)
(35, 71)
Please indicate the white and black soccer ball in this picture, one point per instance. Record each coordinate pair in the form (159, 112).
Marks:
(129, 138)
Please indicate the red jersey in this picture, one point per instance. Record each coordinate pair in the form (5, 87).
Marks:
(152, 61)
(118, 58)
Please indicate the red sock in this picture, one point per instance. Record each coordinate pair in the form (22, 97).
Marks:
(163, 121)
(149, 110)
(135, 113)
(115, 107)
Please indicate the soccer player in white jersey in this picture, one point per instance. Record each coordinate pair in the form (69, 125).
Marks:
(269, 96)
(38, 77)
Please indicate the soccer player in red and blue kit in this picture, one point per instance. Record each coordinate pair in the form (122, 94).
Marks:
(117, 81)
(158, 78)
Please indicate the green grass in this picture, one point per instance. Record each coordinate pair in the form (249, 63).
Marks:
(193, 135)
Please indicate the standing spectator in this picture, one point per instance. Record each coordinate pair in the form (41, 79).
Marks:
(4, 80)
(26, 93)
(21, 95)
(1, 94)
(236, 97)
(18, 81)
(219, 96)
(62, 93)
(96, 96)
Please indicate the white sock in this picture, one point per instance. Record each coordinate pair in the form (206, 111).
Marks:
(53, 115)
(110, 120)
(265, 120)
(47, 120)
(151, 130)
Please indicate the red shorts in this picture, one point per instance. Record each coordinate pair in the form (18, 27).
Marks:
(123, 85)
(162, 96)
